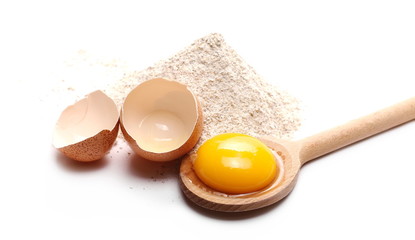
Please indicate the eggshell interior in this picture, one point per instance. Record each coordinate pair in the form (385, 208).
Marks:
(85, 119)
(160, 115)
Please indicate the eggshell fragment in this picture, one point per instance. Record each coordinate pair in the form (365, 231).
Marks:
(86, 130)
(161, 120)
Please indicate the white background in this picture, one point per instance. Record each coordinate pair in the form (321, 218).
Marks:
(342, 59)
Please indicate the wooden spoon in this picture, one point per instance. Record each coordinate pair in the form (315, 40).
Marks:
(293, 155)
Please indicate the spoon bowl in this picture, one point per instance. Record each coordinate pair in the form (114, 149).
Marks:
(204, 196)
(291, 156)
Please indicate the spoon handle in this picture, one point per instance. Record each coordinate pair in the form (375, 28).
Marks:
(356, 130)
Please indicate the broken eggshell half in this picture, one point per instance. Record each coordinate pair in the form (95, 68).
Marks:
(86, 130)
(161, 120)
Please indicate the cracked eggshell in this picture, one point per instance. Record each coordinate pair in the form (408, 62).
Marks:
(86, 130)
(161, 120)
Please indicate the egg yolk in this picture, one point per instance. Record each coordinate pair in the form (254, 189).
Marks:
(235, 164)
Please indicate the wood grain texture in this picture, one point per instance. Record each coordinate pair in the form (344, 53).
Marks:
(356, 130)
(206, 197)
(293, 155)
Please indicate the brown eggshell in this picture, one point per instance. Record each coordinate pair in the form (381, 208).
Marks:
(86, 130)
(196, 124)
(93, 148)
